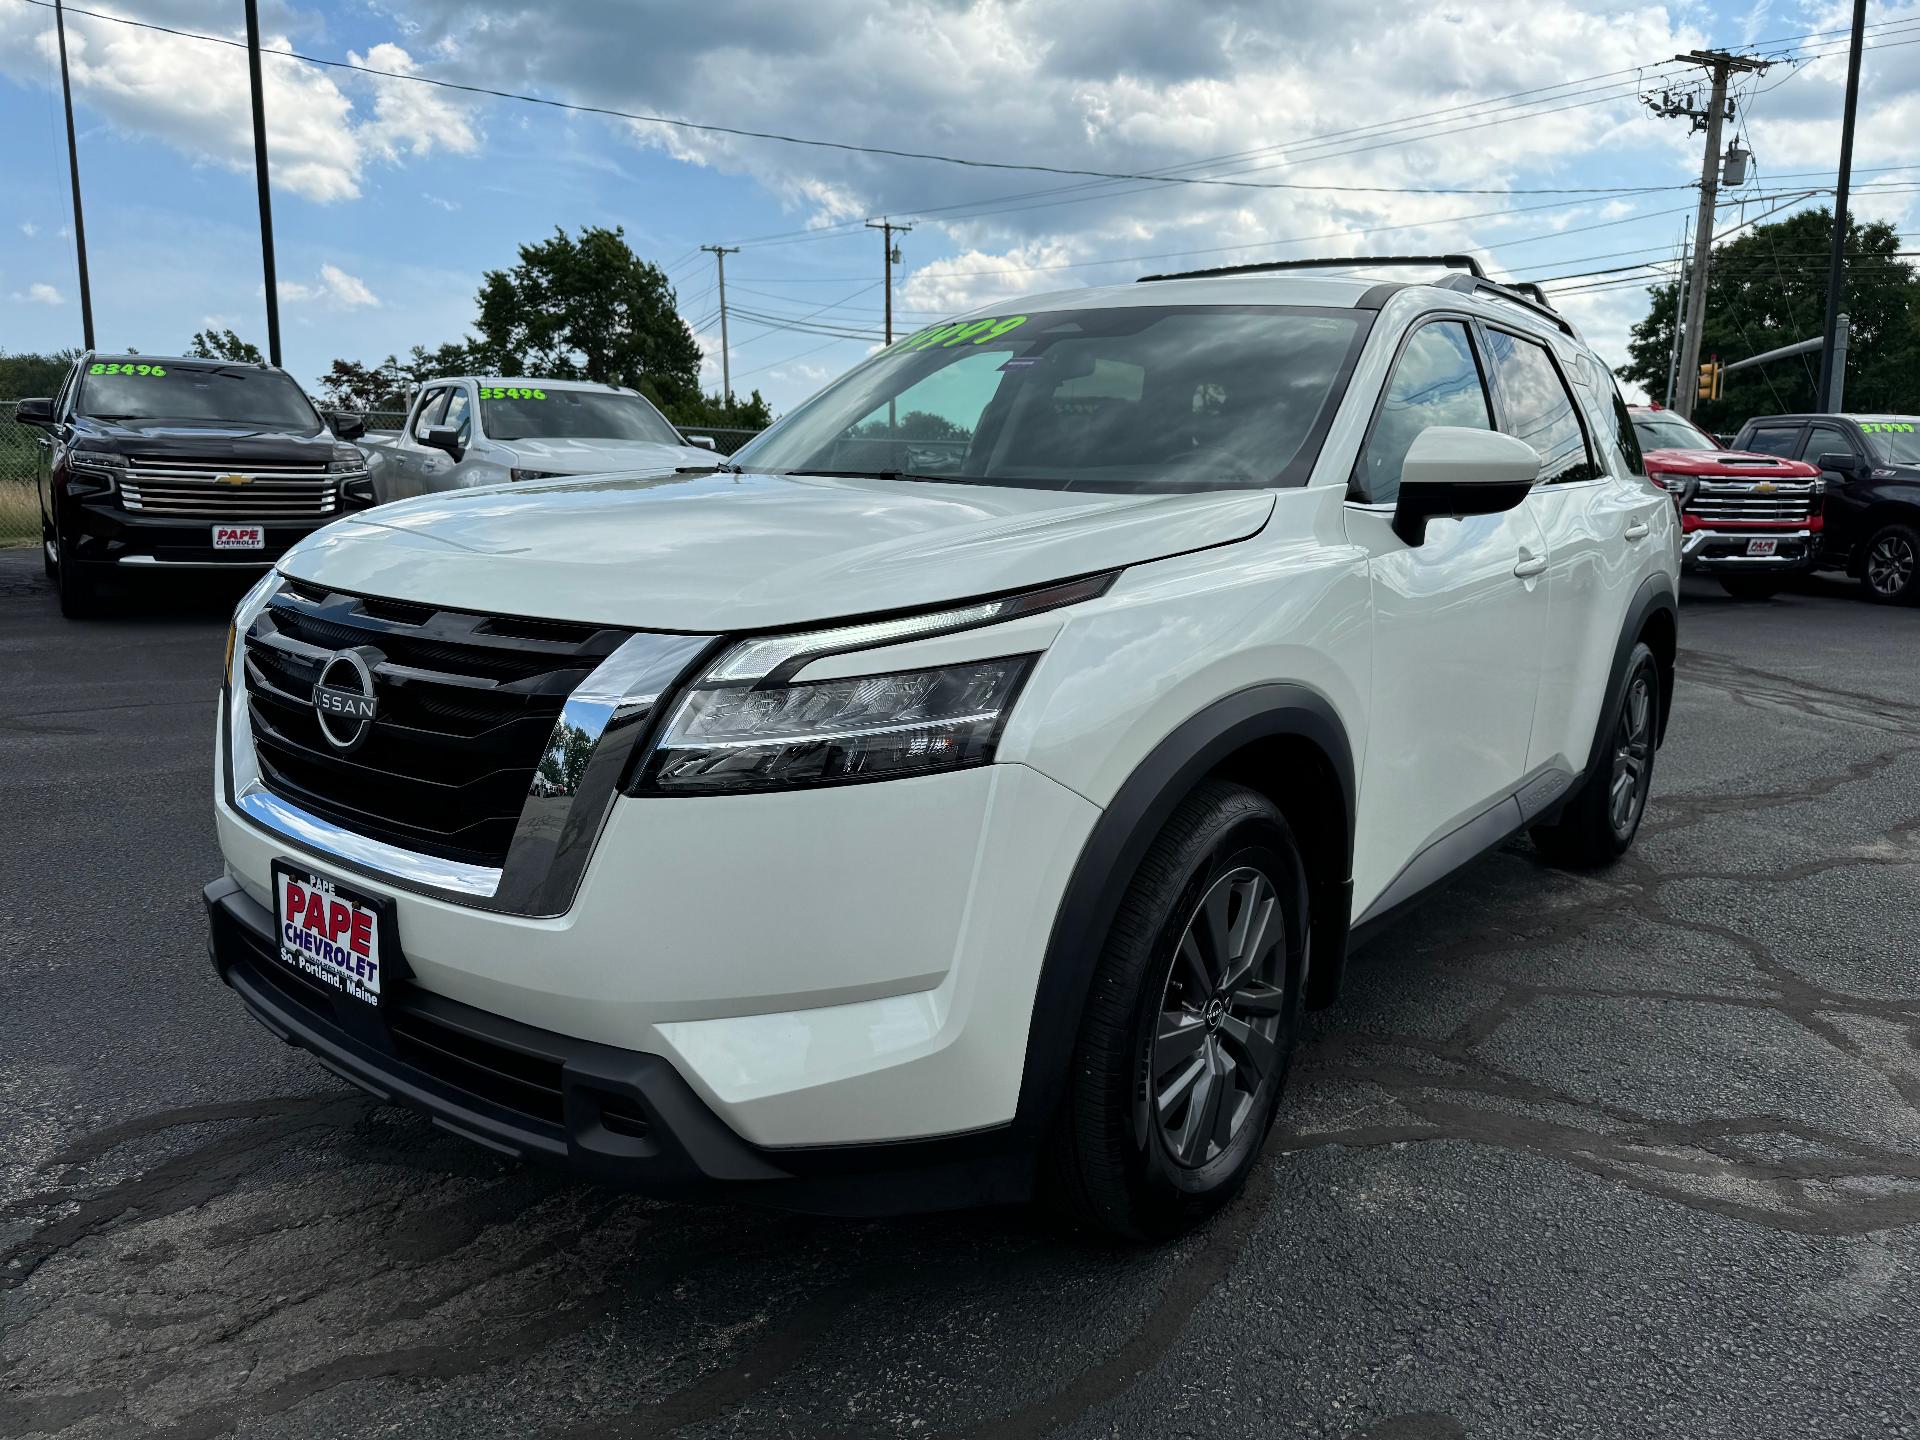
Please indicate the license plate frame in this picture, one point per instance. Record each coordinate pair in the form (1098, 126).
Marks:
(239, 537)
(1763, 545)
(358, 963)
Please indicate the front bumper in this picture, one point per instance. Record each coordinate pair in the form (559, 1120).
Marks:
(98, 532)
(1726, 550)
(616, 1116)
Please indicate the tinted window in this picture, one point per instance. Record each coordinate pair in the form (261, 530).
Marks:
(432, 406)
(137, 389)
(1539, 408)
(533, 412)
(1625, 439)
(1664, 430)
(1773, 440)
(1140, 398)
(1895, 442)
(1435, 382)
(1825, 440)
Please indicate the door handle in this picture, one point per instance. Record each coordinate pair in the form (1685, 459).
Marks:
(1637, 530)
(1530, 566)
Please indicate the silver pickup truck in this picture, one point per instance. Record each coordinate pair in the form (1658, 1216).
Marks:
(469, 430)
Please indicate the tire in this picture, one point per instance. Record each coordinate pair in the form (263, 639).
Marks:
(1132, 1153)
(1890, 573)
(1752, 587)
(79, 592)
(1599, 823)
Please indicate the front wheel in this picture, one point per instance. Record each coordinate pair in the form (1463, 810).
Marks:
(1600, 821)
(1190, 1022)
(1892, 570)
(79, 592)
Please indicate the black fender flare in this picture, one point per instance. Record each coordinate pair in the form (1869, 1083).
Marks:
(1655, 596)
(1113, 852)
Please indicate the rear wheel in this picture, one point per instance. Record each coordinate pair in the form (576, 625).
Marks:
(1190, 1022)
(1892, 569)
(1752, 587)
(1600, 821)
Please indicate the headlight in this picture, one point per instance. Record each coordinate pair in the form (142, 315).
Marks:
(746, 725)
(94, 472)
(535, 474)
(870, 727)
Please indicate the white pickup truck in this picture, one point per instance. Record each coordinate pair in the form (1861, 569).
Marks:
(469, 430)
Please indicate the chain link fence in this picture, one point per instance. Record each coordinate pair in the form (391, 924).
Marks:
(20, 459)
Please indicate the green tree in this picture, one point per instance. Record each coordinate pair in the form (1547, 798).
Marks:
(31, 374)
(1768, 288)
(211, 344)
(351, 385)
(588, 308)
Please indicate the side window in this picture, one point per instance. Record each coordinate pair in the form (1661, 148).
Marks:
(1825, 440)
(1625, 439)
(433, 405)
(457, 414)
(1773, 439)
(1539, 409)
(1436, 381)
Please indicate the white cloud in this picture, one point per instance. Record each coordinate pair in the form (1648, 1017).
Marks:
(334, 285)
(193, 96)
(29, 229)
(440, 202)
(40, 293)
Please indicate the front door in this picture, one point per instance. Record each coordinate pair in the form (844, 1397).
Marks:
(1459, 635)
(1843, 509)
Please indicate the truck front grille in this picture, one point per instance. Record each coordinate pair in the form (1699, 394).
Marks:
(465, 706)
(1736, 502)
(197, 489)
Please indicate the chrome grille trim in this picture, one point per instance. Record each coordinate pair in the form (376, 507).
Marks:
(193, 489)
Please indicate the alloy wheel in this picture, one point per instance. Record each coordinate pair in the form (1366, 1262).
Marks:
(1890, 564)
(1632, 756)
(1216, 1053)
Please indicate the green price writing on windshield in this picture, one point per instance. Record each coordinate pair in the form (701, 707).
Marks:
(116, 369)
(510, 392)
(962, 331)
(1898, 427)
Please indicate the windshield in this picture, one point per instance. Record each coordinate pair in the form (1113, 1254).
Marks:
(1895, 442)
(1668, 431)
(1133, 398)
(516, 412)
(136, 389)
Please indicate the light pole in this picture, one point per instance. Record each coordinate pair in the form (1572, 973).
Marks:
(73, 171)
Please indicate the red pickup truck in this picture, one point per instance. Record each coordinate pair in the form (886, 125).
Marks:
(1751, 521)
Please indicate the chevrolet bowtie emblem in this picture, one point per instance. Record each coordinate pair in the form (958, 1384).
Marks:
(233, 479)
(1765, 487)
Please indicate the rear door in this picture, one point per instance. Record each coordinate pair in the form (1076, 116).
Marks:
(1843, 508)
(1460, 623)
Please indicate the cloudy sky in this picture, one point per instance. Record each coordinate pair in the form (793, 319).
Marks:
(1513, 128)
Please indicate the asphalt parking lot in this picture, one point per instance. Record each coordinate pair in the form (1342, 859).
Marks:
(1627, 1155)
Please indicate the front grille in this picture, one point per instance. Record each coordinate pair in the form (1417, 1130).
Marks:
(1741, 502)
(466, 704)
(259, 493)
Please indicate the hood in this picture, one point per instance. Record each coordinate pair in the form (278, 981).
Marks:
(721, 552)
(204, 439)
(1732, 464)
(596, 457)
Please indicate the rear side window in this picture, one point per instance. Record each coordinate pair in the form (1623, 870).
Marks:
(1773, 439)
(1539, 408)
(1625, 438)
(1825, 440)
(1436, 381)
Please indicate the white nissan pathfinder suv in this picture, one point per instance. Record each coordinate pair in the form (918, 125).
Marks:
(961, 796)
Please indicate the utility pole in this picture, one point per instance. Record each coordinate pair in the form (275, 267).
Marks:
(260, 178)
(1830, 362)
(890, 255)
(720, 253)
(1720, 65)
(73, 170)
(1679, 310)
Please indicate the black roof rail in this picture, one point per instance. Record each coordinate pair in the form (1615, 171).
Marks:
(1523, 293)
(1350, 262)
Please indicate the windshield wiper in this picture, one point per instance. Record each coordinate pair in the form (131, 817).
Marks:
(880, 475)
(726, 467)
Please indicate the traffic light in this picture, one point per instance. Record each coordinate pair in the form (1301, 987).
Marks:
(1710, 379)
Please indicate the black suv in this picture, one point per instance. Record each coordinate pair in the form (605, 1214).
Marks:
(151, 462)
(1871, 520)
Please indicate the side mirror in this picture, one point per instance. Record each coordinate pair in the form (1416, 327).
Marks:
(37, 411)
(347, 427)
(1451, 471)
(1842, 462)
(443, 437)
(705, 442)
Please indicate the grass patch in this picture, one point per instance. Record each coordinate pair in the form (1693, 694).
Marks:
(19, 513)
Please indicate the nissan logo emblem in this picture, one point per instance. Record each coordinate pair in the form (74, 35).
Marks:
(343, 700)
